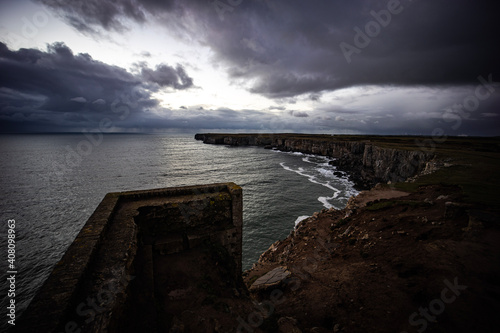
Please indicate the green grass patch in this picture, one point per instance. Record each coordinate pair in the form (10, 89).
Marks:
(475, 173)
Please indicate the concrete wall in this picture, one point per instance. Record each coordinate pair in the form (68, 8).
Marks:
(112, 275)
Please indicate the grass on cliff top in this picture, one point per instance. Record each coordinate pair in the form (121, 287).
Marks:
(404, 142)
(475, 160)
(475, 172)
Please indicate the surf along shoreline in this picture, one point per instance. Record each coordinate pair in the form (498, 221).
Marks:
(426, 228)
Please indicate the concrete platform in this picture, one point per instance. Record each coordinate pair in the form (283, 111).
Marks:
(140, 261)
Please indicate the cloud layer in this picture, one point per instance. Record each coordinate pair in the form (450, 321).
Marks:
(58, 89)
(292, 47)
(365, 66)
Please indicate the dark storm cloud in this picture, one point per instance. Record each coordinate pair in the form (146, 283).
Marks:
(75, 90)
(88, 15)
(85, 14)
(293, 47)
(298, 114)
(167, 76)
(277, 108)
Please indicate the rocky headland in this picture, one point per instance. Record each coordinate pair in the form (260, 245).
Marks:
(418, 252)
(367, 162)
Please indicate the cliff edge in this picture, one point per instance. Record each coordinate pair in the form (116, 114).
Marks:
(420, 254)
(368, 159)
(413, 262)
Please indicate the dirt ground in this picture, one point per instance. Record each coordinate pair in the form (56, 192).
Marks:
(390, 262)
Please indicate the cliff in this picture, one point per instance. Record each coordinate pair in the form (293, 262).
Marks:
(389, 262)
(416, 256)
(368, 159)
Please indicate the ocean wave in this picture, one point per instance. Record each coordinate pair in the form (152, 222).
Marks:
(326, 201)
(319, 171)
(314, 179)
(300, 219)
(326, 172)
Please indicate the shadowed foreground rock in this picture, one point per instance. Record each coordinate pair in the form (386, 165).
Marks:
(272, 279)
(415, 262)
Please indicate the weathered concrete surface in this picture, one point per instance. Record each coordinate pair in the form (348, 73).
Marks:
(140, 261)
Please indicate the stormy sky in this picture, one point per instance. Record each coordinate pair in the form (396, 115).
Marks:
(359, 66)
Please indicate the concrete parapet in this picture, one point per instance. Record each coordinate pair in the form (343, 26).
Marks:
(115, 274)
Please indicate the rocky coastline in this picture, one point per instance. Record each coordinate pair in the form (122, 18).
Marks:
(367, 162)
(418, 252)
(421, 255)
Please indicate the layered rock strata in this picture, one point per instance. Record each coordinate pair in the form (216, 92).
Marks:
(368, 163)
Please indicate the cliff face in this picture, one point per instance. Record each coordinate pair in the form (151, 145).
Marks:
(367, 162)
(235, 140)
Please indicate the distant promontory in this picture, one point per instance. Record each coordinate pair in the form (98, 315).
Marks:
(368, 159)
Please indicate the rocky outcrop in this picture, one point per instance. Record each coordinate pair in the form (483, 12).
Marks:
(384, 264)
(367, 161)
(272, 279)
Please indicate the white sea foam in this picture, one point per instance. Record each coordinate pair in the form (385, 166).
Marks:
(326, 172)
(322, 173)
(326, 203)
(300, 219)
(311, 178)
(314, 179)
(307, 159)
(318, 160)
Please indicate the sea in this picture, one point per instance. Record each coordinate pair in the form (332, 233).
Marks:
(50, 184)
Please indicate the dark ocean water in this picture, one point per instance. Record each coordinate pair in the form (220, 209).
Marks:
(51, 184)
